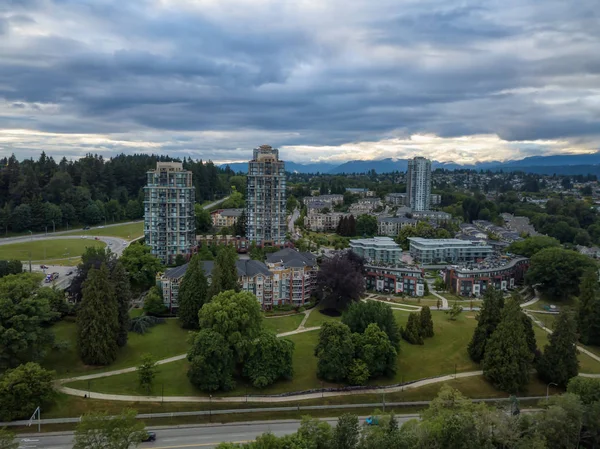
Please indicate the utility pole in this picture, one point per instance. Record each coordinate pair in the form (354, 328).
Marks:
(53, 227)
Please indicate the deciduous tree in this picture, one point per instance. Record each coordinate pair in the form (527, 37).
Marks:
(359, 315)
(366, 225)
(193, 293)
(340, 279)
(141, 266)
(98, 319)
(270, 359)
(98, 430)
(211, 362)
(147, 372)
(346, 432)
(557, 271)
(153, 303)
(334, 351)
(532, 245)
(203, 219)
(376, 350)
(237, 317)
(7, 439)
(23, 389)
(559, 363)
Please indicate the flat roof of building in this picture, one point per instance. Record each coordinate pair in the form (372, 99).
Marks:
(381, 242)
(444, 242)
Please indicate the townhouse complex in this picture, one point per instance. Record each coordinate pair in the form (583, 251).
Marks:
(501, 272)
(222, 218)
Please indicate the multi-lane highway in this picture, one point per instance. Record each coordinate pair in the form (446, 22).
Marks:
(190, 437)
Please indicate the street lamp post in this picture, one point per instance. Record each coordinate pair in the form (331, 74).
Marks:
(31, 234)
(548, 389)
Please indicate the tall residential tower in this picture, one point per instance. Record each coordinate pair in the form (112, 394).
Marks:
(169, 221)
(265, 203)
(418, 186)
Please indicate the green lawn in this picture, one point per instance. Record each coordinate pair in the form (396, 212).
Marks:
(283, 324)
(440, 355)
(317, 318)
(46, 250)
(127, 231)
(164, 340)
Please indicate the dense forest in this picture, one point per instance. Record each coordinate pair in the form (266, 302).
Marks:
(39, 194)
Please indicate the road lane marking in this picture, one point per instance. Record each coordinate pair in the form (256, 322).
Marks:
(202, 444)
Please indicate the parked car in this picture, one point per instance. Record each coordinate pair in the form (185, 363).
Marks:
(44, 267)
(85, 228)
(150, 436)
(96, 238)
(69, 273)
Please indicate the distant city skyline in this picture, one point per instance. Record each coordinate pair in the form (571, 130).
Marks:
(450, 81)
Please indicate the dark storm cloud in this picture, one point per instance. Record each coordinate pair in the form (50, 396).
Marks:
(306, 77)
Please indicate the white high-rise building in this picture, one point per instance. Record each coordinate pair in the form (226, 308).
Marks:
(418, 186)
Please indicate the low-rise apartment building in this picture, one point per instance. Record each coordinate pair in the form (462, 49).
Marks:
(378, 249)
(397, 199)
(435, 251)
(294, 276)
(241, 244)
(437, 216)
(318, 222)
(365, 206)
(502, 273)
(395, 279)
(330, 200)
(360, 192)
(225, 217)
(253, 277)
(391, 226)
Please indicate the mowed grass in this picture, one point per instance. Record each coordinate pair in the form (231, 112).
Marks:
(127, 231)
(162, 341)
(317, 318)
(440, 355)
(283, 324)
(48, 249)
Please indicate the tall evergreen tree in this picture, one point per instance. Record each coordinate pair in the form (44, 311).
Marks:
(487, 320)
(426, 322)
(351, 226)
(193, 293)
(588, 297)
(530, 335)
(120, 281)
(224, 274)
(412, 332)
(98, 319)
(507, 359)
(559, 361)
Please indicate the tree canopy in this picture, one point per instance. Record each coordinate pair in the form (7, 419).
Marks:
(359, 315)
(141, 266)
(487, 321)
(98, 430)
(532, 245)
(340, 280)
(193, 293)
(23, 389)
(224, 274)
(559, 363)
(557, 271)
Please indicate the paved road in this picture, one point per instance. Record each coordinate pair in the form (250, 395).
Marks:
(207, 436)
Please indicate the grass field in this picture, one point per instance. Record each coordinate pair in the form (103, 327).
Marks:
(284, 323)
(42, 250)
(164, 340)
(127, 231)
(317, 318)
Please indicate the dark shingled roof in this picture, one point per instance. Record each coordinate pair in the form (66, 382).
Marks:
(244, 268)
(292, 258)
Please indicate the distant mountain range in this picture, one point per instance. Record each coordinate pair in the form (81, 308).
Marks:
(567, 164)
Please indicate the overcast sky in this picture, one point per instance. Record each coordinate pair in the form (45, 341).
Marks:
(324, 80)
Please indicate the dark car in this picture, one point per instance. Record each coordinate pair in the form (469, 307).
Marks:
(150, 436)
(44, 267)
(69, 273)
(86, 228)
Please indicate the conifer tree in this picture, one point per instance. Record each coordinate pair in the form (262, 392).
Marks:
(351, 226)
(507, 359)
(426, 322)
(559, 361)
(530, 335)
(224, 274)
(120, 281)
(193, 293)
(412, 332)
(487, 320)
(588, 297)
(98, 319)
